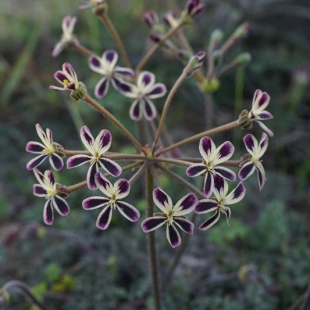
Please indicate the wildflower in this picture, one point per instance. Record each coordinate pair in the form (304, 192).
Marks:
(49, 190)
(47, 149)
(115, 193)
(194, 7)
(256, 151)
(150, 18)
(195, 62)
(258, 113)
(68, 24)
(68, 78)
(219, 202)
(172, 216)
(171, 19)
(97, 147)
(143, 92)
(212, 157)
(106, 65)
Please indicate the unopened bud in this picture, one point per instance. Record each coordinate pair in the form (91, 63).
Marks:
(209, 86)
(194, 7)
(183, 55)
(155, 38)
(150, 18)
(243, 59)
(195, 62)
(171, 19)
(217, 36)
(217, 57)
(242, 31)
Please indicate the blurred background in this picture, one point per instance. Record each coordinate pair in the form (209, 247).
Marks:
(260, 262)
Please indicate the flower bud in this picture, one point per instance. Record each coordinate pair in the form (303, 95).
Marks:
(242, 31)
(150, 18)
(155, 38)
(195, 62)
(243, 59)
(217, 36)
(171, 20)
(194, 7)
(209, 86)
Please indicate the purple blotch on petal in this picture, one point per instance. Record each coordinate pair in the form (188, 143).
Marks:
(219, 183)
(160, 196)
(77, 160)
(151, 223)
(60, 76)
(188, 202)
(226, 150)
(150, 111)
(246, 171)
(56, 162)
(93, 169)
(205, 206)
(48, 213)
(87, 135)
(35, 162)
(208, 184)
(34, 147)
(123, 187)
(61, 205)
(94, 202)
(226, 173)
(263, 99)
(173, 236)
(185, 225)
(210, 221)
(249, 141)
(135, 110)
(94, 61)
(157, 90)
(131, 212)
(110, 166)
(38, 190)
(104, 218)
(195, 170)
(121, 86)
(206, 144)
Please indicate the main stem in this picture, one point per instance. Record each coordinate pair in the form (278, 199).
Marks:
(151, 241)
(112, 119)
(210, 132)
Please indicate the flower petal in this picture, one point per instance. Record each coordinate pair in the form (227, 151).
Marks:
(94, 202)
(109, 59)
(125, 88)
(58, 48)
(208, 184)
(227, 212)
(207, 148)
(185, 225)
(261, 102)
(77, 160)
(102, 88)
(48, 213)
(39, 191)
(263, 144)
(162, 200)
(104, 218)
(265, 128)
(264, 115)
(103, 141)
(93, 169)
(60, 76)
(246, 170)
(205, 206)
(157, 91)
(128, 211)
(87, 139)
(122, 188)
(145, 79)
(250, 144)
(110, 166)
(225, 173)
(261, 175)
(219, 184)
(95, 64)
(236, 195)
(35, 162)
(34, 147)
(210, 221)
(196, 169)
(61, 205)
(185, 205)
(124, 71)
(56, 162)
(224, 152)
(49, 177)
(152, 223)
(173, 236)
(135, 110)
(104, 184)
(149, 110)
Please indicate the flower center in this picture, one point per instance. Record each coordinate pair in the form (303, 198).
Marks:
(65, 82)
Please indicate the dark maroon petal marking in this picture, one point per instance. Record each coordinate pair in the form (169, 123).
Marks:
(94, 61)
(87, 135)
(147, 78)
(228, 214)
(219, 183)
(123, 187)
(124, 71)
(56, 162)
(185, 225)
(110, 166)
(105, 138)
(150, 110)
(205, 206)
(226, 149)
(208, 184)
(39, 175)
(34, 147)
(265, 115)
(121, 86)
(110, 55)
(210, 221)
(48, 213)
(51, 177)
(160, 196)
(102, 180)
(263, 99)
(93, 169)
(71, 86)
(249, 141)
(94, 202)
(135, 110)
(60, 76)
(188, 202)
(35, 162)
(61, 206)
(152, 223)
(206, 144)
(257, 92)
(157, 90)
(195, 170)
(238, 191)
(173, 236)
(130, 212)
(104, 218)
(38, 190)
(102, 88)
(77, 160)
(246, 171)
(261, 179)
(66, 67)
(225, 173)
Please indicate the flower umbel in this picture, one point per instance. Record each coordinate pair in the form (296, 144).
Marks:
(212, 157)
(172, 216)
(97, 147)
(49, 190)
(68, 78)
(143, 92)
(67, 38)
(256, 150)
(106, 65)
(47, 149)
(219, 202)
(115, 193)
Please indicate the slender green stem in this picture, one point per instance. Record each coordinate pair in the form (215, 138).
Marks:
(108, 23)
(112, 119)
(157, 46)
(210, 132)
(125, 157)
(69, 153)
(151, 241)
(167, 104)
(83, 50)
(25, 289)
(196, 191)
(173, 161)
(135, 177)
(209, 110)
(185, 43)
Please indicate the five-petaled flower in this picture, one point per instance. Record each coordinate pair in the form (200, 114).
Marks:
(258, 113)
(172, 215)
(47, 149)
(143, 92)
(68, 78)
(212, 157)
(106, 65)
(97, 147)
(67, 38)
(115, 193)
(219, 202)
(256, 150)
(49, 190)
